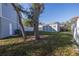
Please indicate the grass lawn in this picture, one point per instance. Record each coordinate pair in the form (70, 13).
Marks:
(55, 44)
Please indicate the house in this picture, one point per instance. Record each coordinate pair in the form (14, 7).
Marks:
(8, 20)
(29, 28)
(41, 26)
(54, 27)
(47, 28)
(75, 29)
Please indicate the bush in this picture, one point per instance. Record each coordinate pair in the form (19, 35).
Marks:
(17, 32)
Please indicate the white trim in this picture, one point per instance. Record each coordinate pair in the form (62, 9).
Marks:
(10, 29)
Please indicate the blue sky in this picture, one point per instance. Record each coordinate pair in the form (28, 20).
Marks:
(57, 12)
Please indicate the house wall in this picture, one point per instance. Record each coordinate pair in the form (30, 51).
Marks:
(9, 12)
(0, 17)
(40, 27)
(0, 9)
(0, 26)
(47, 28)
(78, 26)
(8, 17)
(76, 31)
(4, 28)
(55, 27)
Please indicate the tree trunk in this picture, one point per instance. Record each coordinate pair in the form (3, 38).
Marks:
(20, 22)
(22, 28)
(36, 31)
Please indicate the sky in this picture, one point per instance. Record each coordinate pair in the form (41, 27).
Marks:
(57, 12)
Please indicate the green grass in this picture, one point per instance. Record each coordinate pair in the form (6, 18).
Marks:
(56, 44)
(40, 32)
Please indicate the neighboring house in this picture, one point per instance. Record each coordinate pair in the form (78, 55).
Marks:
(29, 28)
(41, 27)
(8, 20)
(54, 27)
(47, 28)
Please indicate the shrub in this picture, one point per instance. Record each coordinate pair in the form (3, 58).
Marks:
(17, 32)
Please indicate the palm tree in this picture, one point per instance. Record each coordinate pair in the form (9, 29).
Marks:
(35, 11)
(18, 8)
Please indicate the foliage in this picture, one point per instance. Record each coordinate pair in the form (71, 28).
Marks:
(18, 32)
(67, 25)
(27, 22)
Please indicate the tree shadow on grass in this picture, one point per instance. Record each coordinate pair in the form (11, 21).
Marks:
(43, 47)
(9, 37)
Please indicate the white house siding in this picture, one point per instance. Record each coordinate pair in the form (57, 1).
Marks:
(8, 17)
(78, 26)
(0, 26)
(40, 27)
(4, 28)
(55, 26)
(75, 30)
(0, 9)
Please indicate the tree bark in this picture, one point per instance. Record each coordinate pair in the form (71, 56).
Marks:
(21, 27)
(19, 19)
(36, 31)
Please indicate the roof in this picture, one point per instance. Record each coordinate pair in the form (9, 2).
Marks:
(54, 23)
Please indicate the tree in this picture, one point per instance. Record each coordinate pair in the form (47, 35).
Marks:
(35, 11)
(18, 8)
(27, 22)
